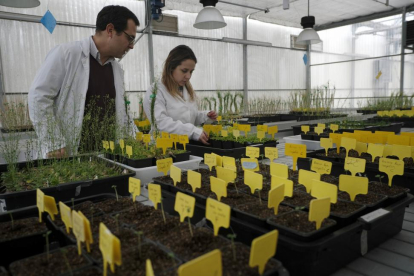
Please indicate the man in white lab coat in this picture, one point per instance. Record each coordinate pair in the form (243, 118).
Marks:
(77, 72)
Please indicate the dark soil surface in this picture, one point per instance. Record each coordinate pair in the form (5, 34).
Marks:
(91, 271)
(87, 208)
(39, 265)
(298, 199)
(343, 208)
(368, 199)
(384, 189)
(112, 205)
(299, 221)
(330, 179)
(21, 228)
(235, 199)
(262, 211)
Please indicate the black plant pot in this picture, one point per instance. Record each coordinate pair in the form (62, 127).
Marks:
(140, 163)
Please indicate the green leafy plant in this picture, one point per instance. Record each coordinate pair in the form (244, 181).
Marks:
(172, 256)
(380, 177)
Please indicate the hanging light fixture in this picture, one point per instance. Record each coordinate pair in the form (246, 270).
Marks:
(308, 35)
(209, 17)
(20, 3)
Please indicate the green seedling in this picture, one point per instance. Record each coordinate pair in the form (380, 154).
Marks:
(162, 210)
(260, 197)
(379, 177)
(116, 192)
(172, 256)
(189, 223)
(233, 247)
(12, 221)
(46, 235)
(139, 235)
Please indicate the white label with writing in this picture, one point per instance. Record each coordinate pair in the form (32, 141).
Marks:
(374, 215)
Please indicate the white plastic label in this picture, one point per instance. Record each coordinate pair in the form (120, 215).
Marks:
(374, 215)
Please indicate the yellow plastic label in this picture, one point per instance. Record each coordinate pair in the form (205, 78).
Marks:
(175, 174)
(321, 125)
(122, 145)
(183, 139)
(245, 129)
(375, 150)
(387, 150)
(134, 187)
(207, 128)
(253, 152)
(218, 213)
(398, 140)
(148, 268)
(319, 210)
(129, 151)
(250, 164)
(263, 248)
(271, 153)
(253, 180)
(401, 151)
(184, 205)
(236, 133)
(326, 143)
(66, 215)
(219, 118)
(276, 196)
(227, 175)
(46, 204)
(194, 179)
(280, 170)
(319, 130)
(229, 161)
(165, 135)
(105, 145)
(336, 139)
(261, 135)
(224, 133)
(322, 189)
(272, 131)
(112, 145)
(353, 185)
(348, 144)
(334, 127)
(154, 194)
(295, 151)
(210, 160)
(208, 264)
(146, 138)
(321, 167)
(219, 187)
(355, 165)
(278, 181)
(306, 179)
(262, 128)
(164, 144)
(139, 136)
(361, 147)
(88, 231)
(304, 129)
(110, 247)
(78, 230)
(175, 139)
(219, 160)
(163, 165)
(391, 167)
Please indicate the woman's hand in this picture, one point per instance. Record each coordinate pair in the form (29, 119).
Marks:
(212, 115)
(204, 138)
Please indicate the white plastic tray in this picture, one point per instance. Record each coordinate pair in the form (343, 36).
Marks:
(310, 145)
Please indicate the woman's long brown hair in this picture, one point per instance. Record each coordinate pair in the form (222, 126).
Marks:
(174, 59)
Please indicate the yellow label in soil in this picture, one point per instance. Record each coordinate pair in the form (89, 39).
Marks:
(271, 153)
(219, 160)
(129, 151)
(276, 196)
(253, 152)
(146, 138)
(253, 180)
(401, 151)
(398, 140)
(210, 160)
(46, 204)
(148, 268)
(112, 145)
(261, 135)
(250, 164)
(208, 264)
(105, 145)
(375, 150)
(306, 179)
(224, 133)
(336, 139)
(175, 173)
(321, 167)
(391, 167)
(278, 181)
(219, 118)
(319, 210)
(326, 143)
(355, 165)
(164, 144)
(218, 213)
(78, 229)
(66, 215)
(361, 147)
(139, 136)
(321, 125)
(207, 128)
(163, 165)
(280, 170)
(245, 129)
(236, 133)
(175, 139)
(295, 151)
(348, 144)
(219, 187)
(262, 128)
(304, 129)
(229, 161)
(319, 130)
(353, 185)
(263, 248)
(88, 231)
(154, 194)
(194, 179)
(122, 145)
(227, 175)
(184, 205)
(322, 189)
(183, 140)
(134, 187)
(110, 247)
(165, 135)
(334, 127)
(272, 131)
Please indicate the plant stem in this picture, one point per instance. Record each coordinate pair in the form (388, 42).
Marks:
(163, 214)
(189, 225)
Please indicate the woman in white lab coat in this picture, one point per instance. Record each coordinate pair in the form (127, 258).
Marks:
(175, 109)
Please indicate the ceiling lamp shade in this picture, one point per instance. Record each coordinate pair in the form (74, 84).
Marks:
(20, 3)
(209, 17)
(308, 35)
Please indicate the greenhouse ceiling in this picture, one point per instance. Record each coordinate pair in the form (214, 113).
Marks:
(326, 12)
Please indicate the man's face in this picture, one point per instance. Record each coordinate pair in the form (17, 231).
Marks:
(124, 41)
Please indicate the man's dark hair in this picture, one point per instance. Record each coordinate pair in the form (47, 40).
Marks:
(117, 15)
